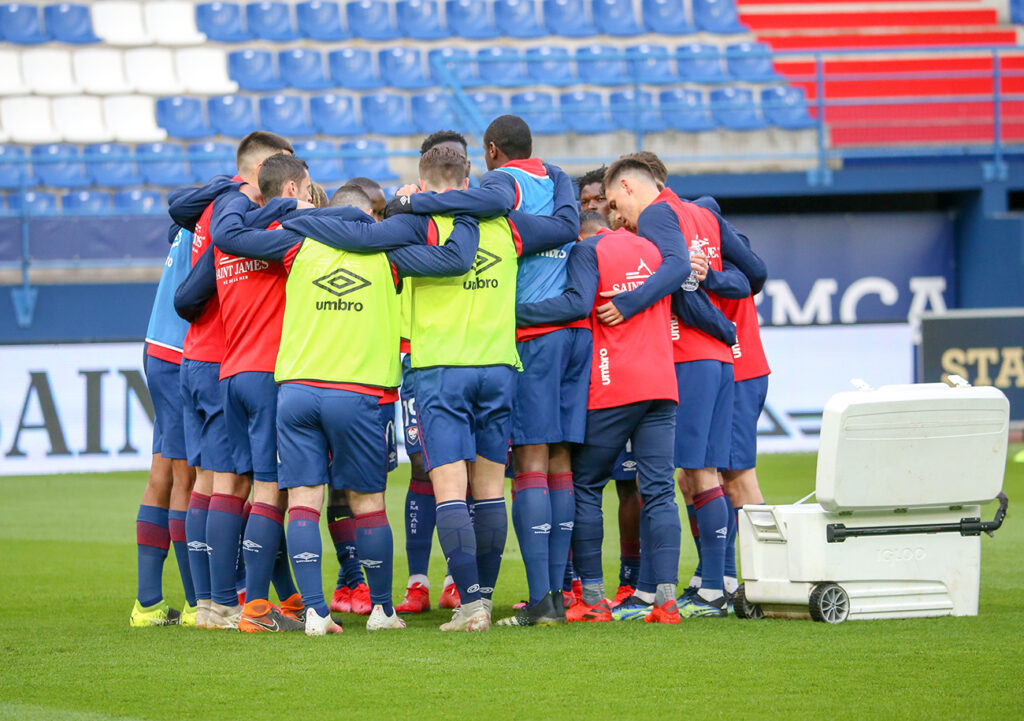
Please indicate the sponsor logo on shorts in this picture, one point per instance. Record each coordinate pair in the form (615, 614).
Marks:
(629, 465)
(305, 557)
(340, 282)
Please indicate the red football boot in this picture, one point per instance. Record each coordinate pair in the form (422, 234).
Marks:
(417, 599)
(622, 594)
(342, 600)
(581, 611)
(361, 602)
(449, 597)
(665, 613)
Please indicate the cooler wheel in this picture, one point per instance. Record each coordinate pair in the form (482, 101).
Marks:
(744, 608)
(829, 603)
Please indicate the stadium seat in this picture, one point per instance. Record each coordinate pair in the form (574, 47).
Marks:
(734, 109)
(166, 164)
(470, 19)
(151, 71)
(120, 23)
(35, 202)
(568, 18)
(334, 114)
(517, 19)
(786, 108)
(303, 69)
(370, 20)
(204, 169)
(550, 66)
(352, 68)
(221, 22)
(321, 170)
(386, 114)
(489, 105)
(285, 115)
(419, 19)
(651, 64)
(464, 69)
(181, 117)
(539, 111)
(686, 110)
(367, 166)
(172, 22)
(10, 174)
(48, 72)
(717, 16)
(66, 173)
(69, 23)
(700, 63)
(586, 113)
(402, 68)
(28, 120)
(86, 202)
(501, 66)
(254, 70)
(204, 71)
(114, 172)
(431, 111)
(138, 202)
(666, 17)
(79, 119)
(270, 21)
(597, 65)
(635, 112)
(751, 62)
(11, 82)
(616, 17)
(19, 24)
(100, 71)
(132, 119)
(319, 20)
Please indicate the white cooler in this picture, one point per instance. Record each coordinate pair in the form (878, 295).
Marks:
(895, 530)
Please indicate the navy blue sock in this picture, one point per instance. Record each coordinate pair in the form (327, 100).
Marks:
(457, 538)
(629, 563)
(262, 540)
(490, 521)
(240, 561)
(281, 577)
(305, 548)
(419, 525)
(691, 514)
(563, 515)
(153, 539)
(533, 506)
(713, 519)
(730, 544)
(376, 548)
(342, 526)
(198, 551)
(223, 530)
(176, 525)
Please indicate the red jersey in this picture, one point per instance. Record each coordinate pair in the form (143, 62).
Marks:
(632, 361)
(205, 338)
(748, 356)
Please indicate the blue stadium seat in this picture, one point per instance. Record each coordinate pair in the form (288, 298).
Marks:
(10, 175)
(539, 112)
(254, 70)
(321, 170)
(19, 24)
(470, 19)
(506, 70)
(352, 68)
(489, 105)
(686, 110)
(69, 23)
(464, 70)
(115, 172)
(420, 19)
(68, 173)
(303, 69)
(138, 202)
(717, 16)
(37, 203)
(700, 63)
(270, 21)
(168, 167)
(370, 20)
(667, 17)
(231, 115)
(517, 19)
(431, 111)
(734, 109)
(386, 114)
(786, 108)
(597, 65)
(568, 18)
(368, 167)
(403, 68)
(203, 170)
(181, 117)
(334, 114)
(751, 62)
(221, 22)
(586, 113)
(285, 115)
(635, 111)
(86, 202)
(652, 64)
(550, 66)
(616, 17)
(319, 20)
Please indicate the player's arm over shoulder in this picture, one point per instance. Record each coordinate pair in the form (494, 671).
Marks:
(495, 197)
(453, 258)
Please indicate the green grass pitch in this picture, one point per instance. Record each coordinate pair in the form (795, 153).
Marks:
(67, 570)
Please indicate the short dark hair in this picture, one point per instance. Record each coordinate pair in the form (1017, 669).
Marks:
(352, 194)
(590, 177)
(259, 145)
(365, 183)
(443, 136)
(279, 169)
(592, 219)
(511, 135)
(658, 169)
(442, 165)
(627, 164)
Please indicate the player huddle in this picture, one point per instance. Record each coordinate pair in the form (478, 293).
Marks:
(561, 344)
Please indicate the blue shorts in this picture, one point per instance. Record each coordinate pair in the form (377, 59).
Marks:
(464, 412)
(551, 393)
(704, 417)
(206, 432)
(625, 465)
(164, 381)
(329, 435)
(410, 420)
(250, 410)
(747, 406)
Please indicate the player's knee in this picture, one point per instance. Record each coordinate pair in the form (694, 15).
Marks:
(365, 502)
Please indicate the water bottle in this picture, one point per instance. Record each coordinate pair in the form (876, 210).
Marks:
(691, 283)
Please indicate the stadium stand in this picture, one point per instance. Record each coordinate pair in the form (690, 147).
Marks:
(303, 69)
(79, 119)
(61, 173)
(116, 171)
(371, 20)
(431, 111)
(19, 24)
(616, 17)
(120, 23)
(270, 21)
(470, 19)
(181, 117)
(353, 68)
(403, 68)
(231, 115)
(100, 71)
(221, 22)
(419, 20)
(138, 202)
(206, 168)
(550, 65)
(69, 23)
(334, 114)
(87, 202)
(502, 67)
(321, 21)
(517, 19)
(254, 70)
(163, 164)
(285, 115)
(568, 18)
(172, 23)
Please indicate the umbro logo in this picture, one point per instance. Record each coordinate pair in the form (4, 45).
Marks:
(305, 557)
(485, 260)
(341, 282)
(542, 528)
(722, 532)
(370, 563)
(197, 546)
(251, 545)
(567, 525)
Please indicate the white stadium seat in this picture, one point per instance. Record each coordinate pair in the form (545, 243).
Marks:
(132, 119)
(120, 23)
(100, 71)
(171, 22)
(151, 70)
(204, 71)
(10, 73)
(48, 72)
(28, 120)
(79, 119)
